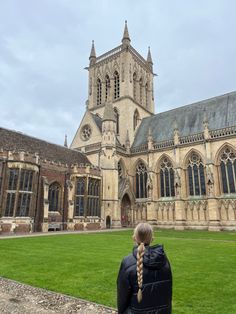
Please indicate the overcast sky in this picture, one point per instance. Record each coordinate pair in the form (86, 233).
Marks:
(45, 45)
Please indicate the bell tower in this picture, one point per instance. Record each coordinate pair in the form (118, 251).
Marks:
(130, 79)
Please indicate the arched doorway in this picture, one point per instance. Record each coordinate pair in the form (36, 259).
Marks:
(126, 219)
(108, 222)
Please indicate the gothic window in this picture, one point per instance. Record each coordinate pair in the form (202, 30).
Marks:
(167, 178)
(141, 180)
(134, 86)
(86, 132)
(93, 203)
(99, 92)
(146, 94)
(117, 120)
(116, 85)
(228, 170)
(120, 170)
(19, 192)
(79, 196)
(196, 176)
(107, 82)
(54, 197)
(141, 91)
(135, 119)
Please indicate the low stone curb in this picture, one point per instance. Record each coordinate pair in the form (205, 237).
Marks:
(20, 298)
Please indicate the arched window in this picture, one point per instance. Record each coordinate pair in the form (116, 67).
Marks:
(136, 119)
(99, 92)
(134, 86)
(228, 170)
(141, 180)
(116, 85)
(117, 120)
(141, 91)
(54, 197)
(167, 178)
(146, 94)
(107, 82)
(196, 175)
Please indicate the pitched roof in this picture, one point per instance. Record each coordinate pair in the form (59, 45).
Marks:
(12, 140)
(220, 112)
(97, 120)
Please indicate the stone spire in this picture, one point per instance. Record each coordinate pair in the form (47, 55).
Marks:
(126, 39)
(149, 58)
(176, 133)
(150, 139)
(65, 141)
(109, 114)
(206, 125)
(92, 57)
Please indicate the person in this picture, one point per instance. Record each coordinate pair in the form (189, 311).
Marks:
(144, 283)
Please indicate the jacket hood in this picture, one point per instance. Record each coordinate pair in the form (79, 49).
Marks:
(154, 256)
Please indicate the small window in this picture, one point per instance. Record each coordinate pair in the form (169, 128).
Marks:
(99, 92)
(116, 85)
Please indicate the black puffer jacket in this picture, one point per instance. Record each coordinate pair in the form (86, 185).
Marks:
(157, 283)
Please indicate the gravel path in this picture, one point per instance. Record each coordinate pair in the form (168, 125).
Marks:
(18, 298)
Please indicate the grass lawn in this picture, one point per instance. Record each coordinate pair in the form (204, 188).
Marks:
(86, 266)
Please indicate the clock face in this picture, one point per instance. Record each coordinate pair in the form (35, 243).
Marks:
(86, 132)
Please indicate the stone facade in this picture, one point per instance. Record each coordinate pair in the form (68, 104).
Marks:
(175, 169)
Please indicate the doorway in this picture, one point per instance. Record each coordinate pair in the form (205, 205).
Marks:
(126, 218)
(108, 222)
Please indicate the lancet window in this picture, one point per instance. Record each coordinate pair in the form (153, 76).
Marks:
(141, 180)
(146, 94)
(228, 170)
(117, 120)
(134, 86)
(19, 192)
(116, 85)
(196, 176)
(135, 119)
(99, 92)
(141, 91)
(54, 197)
(107, 83)
(167, 178)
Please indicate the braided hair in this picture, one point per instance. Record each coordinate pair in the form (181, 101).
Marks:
(143, 234)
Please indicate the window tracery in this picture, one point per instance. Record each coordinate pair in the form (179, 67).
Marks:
(141, 180)
(228, 170)
(196, 176)
(167, 178)
(86, 132)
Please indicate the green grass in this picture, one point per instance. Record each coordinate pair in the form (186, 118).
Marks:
(86, 266)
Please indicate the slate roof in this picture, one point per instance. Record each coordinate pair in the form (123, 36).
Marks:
(12, 140)
(220, 112)
(97, 120)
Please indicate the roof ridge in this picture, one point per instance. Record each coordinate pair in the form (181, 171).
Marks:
(195, 103)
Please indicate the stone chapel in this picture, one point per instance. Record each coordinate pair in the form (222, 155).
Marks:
(175, 169)
(126, 164)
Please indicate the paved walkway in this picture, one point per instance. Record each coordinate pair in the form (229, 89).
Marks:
(53, 233)
(19, 298)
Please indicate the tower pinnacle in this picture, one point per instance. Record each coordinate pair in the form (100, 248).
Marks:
(126, 39)
(149, 58)
(92, 57)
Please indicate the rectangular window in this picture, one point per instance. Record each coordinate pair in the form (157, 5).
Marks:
(79, 197)
(93, 197)
(23, 205)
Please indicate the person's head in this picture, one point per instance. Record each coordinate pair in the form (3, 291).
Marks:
(143, 235)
